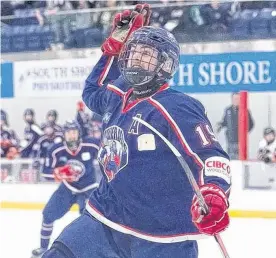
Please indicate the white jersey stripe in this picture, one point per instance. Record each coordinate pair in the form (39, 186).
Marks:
(130, 231)
(75, 190)
(106, 70)
(90, 145)
(115, 89)
(180, 136)
(54, 155)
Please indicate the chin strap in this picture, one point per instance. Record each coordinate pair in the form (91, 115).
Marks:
(146, 90)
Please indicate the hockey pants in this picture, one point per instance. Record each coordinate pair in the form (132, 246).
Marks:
(86, 238)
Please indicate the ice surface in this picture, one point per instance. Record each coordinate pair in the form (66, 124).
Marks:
(245, 238)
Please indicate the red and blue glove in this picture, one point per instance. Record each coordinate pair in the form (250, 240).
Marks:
(123, 25)
(217, 218)
(65, 173)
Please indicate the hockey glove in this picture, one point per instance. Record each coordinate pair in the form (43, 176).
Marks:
(123, 25)
(217, 218)
(12, 153)
(5, 143)
(65, 173)
(80, 106)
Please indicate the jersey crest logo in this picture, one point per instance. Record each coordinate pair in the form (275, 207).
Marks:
(133, 129)
(78, 168)
(113, 154)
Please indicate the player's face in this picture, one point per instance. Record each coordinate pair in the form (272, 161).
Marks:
(29, 118)
(71, 135)
(236, 99)
(97, 134)
(143, 56)
(49, 131)
(51, 118)
(270, 137)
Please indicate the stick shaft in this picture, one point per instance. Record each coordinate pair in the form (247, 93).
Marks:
(191, 179)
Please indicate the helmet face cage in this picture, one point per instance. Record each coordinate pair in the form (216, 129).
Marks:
(51, 115)
(150, 53)
(72, 135)
(29, 115)
(139, 62)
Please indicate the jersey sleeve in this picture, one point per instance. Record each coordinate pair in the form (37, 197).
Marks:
(96, 94)
(190, 131)
(93, 145)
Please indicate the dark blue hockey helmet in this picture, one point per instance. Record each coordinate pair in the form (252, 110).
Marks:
(29, 112)
(4, 118)
(149, 58)
(72, 134)
(52, 115)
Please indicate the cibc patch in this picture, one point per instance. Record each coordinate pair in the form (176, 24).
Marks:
(218, 166)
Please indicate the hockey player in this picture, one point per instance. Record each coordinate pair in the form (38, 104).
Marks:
(45, 142)
(51, 117)
(31, 133)
(70, 162)
(88, 123)
(9, 141)
(83, 119)
(267, 146)
(147, 207)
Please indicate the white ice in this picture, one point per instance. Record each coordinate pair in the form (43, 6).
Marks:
(245, 238)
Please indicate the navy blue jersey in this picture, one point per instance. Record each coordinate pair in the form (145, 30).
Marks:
(56, 127)
(44, 144)
(145, 191)
(8, 139)
(59, 155)
(32, 132)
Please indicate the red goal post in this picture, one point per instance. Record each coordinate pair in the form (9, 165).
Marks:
(243, 126)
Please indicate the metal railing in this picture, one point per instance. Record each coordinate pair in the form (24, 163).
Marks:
(183, 18)
(19, 171)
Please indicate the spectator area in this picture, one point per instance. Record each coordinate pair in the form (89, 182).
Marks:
(40, 25)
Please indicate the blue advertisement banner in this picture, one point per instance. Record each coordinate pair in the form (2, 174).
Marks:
(230, 72)
(7, 80)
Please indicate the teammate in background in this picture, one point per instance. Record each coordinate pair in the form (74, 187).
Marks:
(87, 122)
(96, 131)
(9, 141)
(51, 117)
(44, 143)
(31, 133)
(83, 119)
(71, 163)
(267, 146)
(147, 201)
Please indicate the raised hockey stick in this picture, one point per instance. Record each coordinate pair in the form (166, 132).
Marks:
(191, 178)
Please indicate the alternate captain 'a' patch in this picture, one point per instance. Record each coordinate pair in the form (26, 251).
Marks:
(134, 127)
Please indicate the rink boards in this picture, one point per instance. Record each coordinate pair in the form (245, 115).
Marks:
(247, 199)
